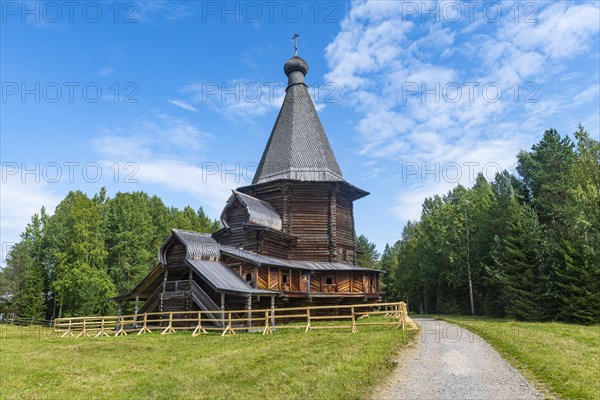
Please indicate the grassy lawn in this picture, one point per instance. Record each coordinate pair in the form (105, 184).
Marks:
(288, 364)
(562, 357)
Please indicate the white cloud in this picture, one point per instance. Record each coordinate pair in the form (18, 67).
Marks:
(563, 30)
(182, 104)
(238, 99)
(137, 139)
(377, 53)
(21, 196)
(165, 151)
(107, 71)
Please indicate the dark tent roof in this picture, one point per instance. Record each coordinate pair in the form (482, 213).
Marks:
(298, 148)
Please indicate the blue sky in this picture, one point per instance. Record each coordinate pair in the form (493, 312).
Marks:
(180, 98)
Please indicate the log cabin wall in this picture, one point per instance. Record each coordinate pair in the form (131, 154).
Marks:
(311, 222)
(176, 253)
(237, 236)
(319, 214)
(344, 228)
(273, 245)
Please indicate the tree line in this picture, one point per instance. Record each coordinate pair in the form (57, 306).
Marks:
(91, 249)
(523, 246)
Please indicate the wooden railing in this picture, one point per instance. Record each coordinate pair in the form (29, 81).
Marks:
(230, 321)
(177, 286)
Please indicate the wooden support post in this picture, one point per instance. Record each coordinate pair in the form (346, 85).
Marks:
(222, 309)
(267, 329)
(249, 301)
(120, 325)
(68, 331)
(169, 329)
(228, 330)
(118, 316)
(199, 329)
(137, 308)
(145, 326)
(273, 311)
(403, 313)
(308, 283)
(84, 330)
(307, 320)
(102, 331)
(354, 329)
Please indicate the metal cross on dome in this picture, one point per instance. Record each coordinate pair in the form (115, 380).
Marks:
(295, 37)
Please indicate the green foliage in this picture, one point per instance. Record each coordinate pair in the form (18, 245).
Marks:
(366, 253)
(73, 262)
(81, 283)
(531, 244)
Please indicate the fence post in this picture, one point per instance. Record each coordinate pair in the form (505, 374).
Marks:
(145, 326)
(169, 329)
(403, 314)
(354, 330)
(307, 319)
(228, 330)
(199, 329)
(267, 329)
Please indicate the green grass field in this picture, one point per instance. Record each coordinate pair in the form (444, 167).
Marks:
(288, 364)
(563, 358)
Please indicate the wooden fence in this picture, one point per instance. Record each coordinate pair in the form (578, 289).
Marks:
(229, 321)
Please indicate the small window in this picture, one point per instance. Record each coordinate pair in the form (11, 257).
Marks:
(328, 281)
(284, 279)
(248, 277)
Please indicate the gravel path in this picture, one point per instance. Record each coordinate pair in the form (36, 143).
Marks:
(449, 362)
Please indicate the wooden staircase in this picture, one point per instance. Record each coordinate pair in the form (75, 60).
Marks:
(181, 296)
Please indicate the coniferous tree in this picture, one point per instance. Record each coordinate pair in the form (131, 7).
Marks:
(366, 253)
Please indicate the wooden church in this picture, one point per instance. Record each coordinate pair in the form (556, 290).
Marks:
(288, 239)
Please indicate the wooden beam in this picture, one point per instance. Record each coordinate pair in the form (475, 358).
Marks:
(137, 303)
(273, 311)
(249, 303)
(222, 308)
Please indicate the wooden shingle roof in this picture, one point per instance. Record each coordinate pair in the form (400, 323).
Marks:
(298, 148)
(260, 213)
(198, 246)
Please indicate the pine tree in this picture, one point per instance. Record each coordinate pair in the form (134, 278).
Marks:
(366, 253)
(389, 264)
(520, 265)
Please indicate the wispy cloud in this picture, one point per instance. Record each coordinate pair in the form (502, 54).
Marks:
(106, 71)
(183, 105)
(238, 99)
(21, 197)
(426, 92)
(169, 153)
